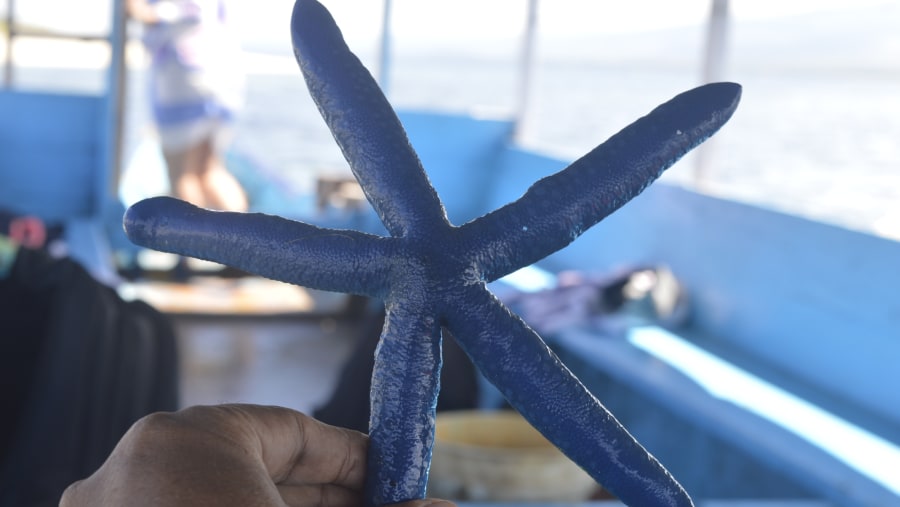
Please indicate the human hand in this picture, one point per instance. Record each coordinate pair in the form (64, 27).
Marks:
(242, 455)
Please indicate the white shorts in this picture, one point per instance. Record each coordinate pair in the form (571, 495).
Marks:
(180, 137)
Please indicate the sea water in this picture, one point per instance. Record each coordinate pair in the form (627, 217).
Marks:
(821, 146)
(816, 133)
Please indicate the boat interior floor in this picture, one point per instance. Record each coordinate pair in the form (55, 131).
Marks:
(285, 361)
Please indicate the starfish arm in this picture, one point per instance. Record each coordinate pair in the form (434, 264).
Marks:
(516, 360)
(364, 125)
(405, 383)
(270, 246)
(559, 208)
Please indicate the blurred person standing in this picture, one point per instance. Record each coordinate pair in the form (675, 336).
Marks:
(196, 88)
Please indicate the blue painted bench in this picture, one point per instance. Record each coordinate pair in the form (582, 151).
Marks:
(710, 503)
(725, 427)
(702, 410)
(789, 301)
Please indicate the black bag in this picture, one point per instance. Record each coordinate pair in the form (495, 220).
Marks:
(78, 367)
(348, 405)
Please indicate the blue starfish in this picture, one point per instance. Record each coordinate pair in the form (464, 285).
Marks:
(431, 273)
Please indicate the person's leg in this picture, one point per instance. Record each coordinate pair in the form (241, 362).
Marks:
(221, 189)
(184, 180)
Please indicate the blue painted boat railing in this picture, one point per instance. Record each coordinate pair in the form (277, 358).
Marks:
(59, 155)
(780, 299)
(805, 286)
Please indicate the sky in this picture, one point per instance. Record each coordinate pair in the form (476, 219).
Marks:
(264, 22)
(436, 21)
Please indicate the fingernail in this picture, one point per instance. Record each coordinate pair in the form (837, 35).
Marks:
(437, 503)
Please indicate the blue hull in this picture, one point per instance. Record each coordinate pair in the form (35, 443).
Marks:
(804, 309)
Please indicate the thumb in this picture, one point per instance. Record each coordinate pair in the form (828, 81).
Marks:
(426, 502)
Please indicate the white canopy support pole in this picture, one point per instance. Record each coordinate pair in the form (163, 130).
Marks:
(384, 55)
(117, 86)
(10, 35)
(526, 71)
(713, 70)
(716, 42)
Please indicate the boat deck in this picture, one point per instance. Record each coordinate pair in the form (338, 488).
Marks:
(251, 340)
(283, 361)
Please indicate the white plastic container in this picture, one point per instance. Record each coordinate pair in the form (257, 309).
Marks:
(497, 456)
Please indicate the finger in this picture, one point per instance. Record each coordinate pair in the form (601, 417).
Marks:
(165, 459)
(427, 502)
(74, 495)
(364, 125)
(317, 454)
(295, 449)
(320, 495)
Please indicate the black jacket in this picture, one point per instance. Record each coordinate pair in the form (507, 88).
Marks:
(78, 366)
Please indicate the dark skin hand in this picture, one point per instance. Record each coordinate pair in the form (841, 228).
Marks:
(241, 455)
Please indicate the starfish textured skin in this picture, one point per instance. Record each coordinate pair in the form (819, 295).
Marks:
(432, 274)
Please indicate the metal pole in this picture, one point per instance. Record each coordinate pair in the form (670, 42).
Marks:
(526, 70)
(116, 90)
(713, 70)
(384, 56)
(10, 33)
(716, 42)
